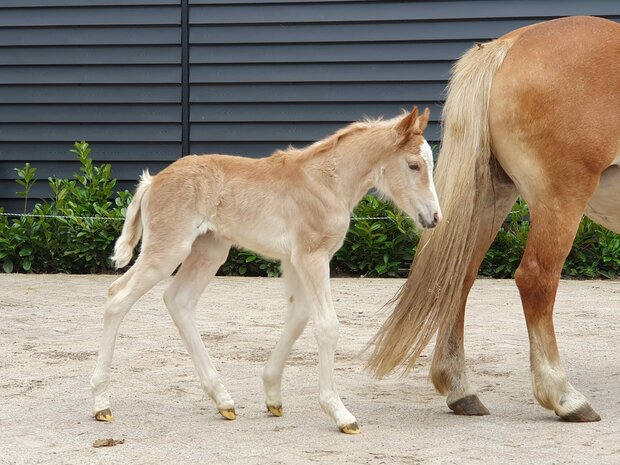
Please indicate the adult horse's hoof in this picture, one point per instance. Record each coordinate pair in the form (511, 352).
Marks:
(104, 415)
(275, 410)
(228, 413)
(353, 428)
(469, 405)
(583, 414)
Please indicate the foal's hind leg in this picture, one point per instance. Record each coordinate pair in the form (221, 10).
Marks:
(448, 368)
(181, 297)
(123, 293)
(549, 242)
(296, 319)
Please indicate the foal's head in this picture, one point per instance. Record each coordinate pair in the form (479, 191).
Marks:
(406, 174)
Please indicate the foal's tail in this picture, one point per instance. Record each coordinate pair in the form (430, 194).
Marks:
(429, 301)
(132, 229)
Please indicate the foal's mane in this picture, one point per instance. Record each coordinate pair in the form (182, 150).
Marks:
(328, 143)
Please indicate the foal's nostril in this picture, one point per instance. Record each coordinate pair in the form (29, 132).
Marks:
(436, 218)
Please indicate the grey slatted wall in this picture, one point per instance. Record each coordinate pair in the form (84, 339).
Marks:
(265, 74)
(262, 74)
(105, 71)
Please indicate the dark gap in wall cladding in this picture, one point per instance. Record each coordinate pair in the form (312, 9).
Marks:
(146, 81)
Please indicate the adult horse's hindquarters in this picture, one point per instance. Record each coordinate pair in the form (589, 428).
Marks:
(534, 113)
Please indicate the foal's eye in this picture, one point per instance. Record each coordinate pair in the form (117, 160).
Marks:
(414, 166)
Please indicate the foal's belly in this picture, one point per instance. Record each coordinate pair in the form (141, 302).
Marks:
(270, 242)
(604, 206)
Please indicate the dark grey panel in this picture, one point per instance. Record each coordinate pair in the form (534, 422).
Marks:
(89, 94)
(90, 16)
(21, 152)
(93, 35)
(328, 53)
(93, 113)
(260, 2)
(274, 132)
(308, 112)
(65, 3)
(105, 74)
(66, 169)
(405, 92)
(89, 55)
(28, 132)
(333, 72)
(396, 11)
(406, 31)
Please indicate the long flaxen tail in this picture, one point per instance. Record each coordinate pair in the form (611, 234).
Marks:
(132, 228)
(429, 300)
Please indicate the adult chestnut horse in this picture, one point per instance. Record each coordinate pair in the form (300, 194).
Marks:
(534, 113)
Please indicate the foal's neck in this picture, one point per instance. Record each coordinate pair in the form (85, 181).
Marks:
(352, 166)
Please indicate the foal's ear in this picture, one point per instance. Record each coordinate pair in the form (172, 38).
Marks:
(421, 122)
(406, 124)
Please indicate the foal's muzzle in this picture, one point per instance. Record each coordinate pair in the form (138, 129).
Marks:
(429, 223)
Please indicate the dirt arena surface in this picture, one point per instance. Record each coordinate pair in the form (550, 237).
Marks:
(51, 325)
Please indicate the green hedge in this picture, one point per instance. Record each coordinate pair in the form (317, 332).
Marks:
(372, 247)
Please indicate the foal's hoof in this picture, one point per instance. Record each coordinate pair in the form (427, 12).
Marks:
(104, 415)
(469, 405)
(276, 411)
(583, 414)
(353, 428)
(228, 413)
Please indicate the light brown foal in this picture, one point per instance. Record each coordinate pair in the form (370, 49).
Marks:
(294, 206)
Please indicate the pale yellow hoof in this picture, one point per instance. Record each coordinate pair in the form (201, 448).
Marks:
(353, 428)
(276, 411)
(228, 413)
(104, 415)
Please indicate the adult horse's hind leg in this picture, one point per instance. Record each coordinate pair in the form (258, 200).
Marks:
(554, 224)
(448, 368)
(207, 255)
(296, 319)
(148, 270)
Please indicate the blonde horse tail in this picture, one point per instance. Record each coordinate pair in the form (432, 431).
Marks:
(429, 300)
(132, 228)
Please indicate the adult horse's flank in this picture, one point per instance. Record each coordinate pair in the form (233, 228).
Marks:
(294, 206)
(535, 113)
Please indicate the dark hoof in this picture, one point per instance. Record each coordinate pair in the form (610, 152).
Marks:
(469, 405)
(582, 415)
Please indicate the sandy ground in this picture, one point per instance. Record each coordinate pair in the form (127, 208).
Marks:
(50, 329)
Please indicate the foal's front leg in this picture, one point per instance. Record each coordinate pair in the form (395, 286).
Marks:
(313, 271)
